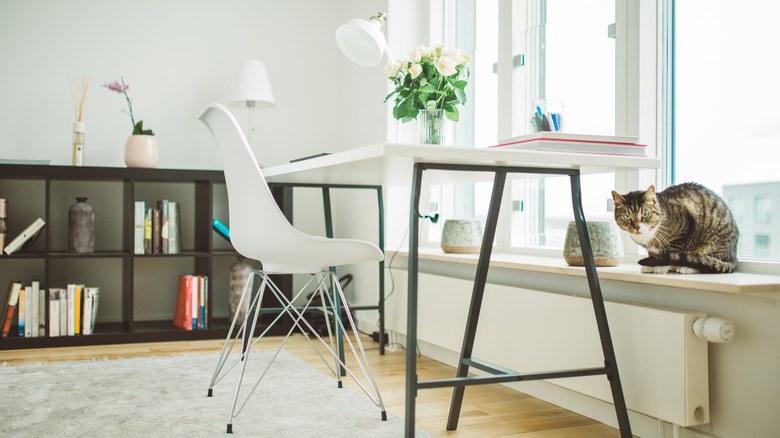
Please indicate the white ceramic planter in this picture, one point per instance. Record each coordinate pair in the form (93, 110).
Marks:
(141, 151)
(605, 241)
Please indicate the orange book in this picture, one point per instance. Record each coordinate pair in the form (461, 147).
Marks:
(10, 307)
(183, 317)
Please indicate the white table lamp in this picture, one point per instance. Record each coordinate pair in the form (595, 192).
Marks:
(252, 89)
(362, 41)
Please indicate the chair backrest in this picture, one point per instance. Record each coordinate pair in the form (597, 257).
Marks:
(258, 227)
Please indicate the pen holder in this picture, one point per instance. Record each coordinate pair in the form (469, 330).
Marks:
(547, 115)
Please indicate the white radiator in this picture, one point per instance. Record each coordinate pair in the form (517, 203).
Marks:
(662, 364)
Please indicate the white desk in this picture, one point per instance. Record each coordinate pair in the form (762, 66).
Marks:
(403, 165)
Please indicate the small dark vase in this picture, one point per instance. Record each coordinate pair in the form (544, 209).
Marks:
(81, 227)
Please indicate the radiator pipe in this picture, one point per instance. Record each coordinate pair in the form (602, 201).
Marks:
(714, 329)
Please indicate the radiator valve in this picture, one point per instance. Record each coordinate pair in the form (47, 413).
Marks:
(714, 329)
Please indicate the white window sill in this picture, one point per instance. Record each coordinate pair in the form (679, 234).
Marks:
(762, 285)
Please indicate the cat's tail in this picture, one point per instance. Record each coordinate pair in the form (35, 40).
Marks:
(702, 262)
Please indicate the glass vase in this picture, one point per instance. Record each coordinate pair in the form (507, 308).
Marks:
(434, 127)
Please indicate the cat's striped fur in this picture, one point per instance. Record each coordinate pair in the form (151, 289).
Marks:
(685, 228)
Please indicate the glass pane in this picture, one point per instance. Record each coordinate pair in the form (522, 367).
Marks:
(484, 80)
(727, 122)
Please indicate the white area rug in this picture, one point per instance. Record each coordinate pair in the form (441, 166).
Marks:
(166, 396)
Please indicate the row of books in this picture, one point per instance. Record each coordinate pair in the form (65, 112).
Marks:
(156, 229)
(192, 303)
(33, 312)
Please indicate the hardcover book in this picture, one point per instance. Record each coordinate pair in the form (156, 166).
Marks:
(581, 143)
(10, 307)
(54, 312)
(138, 227)
(26, 237)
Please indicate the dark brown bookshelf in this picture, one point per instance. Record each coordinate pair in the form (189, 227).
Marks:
(44, 191)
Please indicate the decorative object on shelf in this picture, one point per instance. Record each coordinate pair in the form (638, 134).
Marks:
(79, 96)
(430, 78)
(605, 241)
(462, 236)
(141, 148)
(252, 90)
(239, 274)
(3, 222)
(81, 227)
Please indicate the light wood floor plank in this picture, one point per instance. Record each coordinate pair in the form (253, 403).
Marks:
(488, 411)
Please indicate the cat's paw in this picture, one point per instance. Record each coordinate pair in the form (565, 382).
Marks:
(656, 269)
(687, 270)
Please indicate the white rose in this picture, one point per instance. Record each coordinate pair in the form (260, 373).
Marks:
(466, 58)
(425, 51)
(415, 55)
(446, 66)
(392, 69)
(415, 70)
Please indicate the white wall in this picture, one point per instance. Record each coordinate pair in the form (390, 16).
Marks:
(178, 56)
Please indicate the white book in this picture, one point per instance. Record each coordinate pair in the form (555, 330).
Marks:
(34, 309)
(138, 227)
(174, 237)
(71, 306)
(28, 312)
(25, 235)
(54, 312)
(63, 312)
(42, 312)
(90, 309)
(581, 143)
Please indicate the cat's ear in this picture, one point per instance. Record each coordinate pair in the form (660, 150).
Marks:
(618, 198)
(650, 193)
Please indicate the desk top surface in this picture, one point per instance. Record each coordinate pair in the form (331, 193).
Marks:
(389, 163)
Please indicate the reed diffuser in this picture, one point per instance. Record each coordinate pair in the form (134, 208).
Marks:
(79, 95)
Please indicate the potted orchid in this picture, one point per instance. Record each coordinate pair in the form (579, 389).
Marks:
(429, 83)
(141, 147)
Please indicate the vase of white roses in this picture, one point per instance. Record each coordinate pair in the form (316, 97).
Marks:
(141, 148)
(429, 83)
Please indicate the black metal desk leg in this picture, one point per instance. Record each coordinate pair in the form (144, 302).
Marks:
(600, 311)
(476, 296)
(411, 305)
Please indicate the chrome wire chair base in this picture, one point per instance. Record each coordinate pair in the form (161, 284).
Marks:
(331, 298)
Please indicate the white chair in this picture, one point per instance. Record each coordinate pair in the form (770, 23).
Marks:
(260, 231)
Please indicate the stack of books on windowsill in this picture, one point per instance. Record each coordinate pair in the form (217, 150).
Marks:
(579, 143)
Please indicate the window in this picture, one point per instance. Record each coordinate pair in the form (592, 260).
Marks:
(719, 73)
(559, 50)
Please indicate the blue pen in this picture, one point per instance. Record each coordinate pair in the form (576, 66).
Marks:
(555, 120)
(539, 110)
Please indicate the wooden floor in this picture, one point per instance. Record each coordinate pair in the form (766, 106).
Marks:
(488, 410)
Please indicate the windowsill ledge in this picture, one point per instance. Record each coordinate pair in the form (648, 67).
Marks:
(761, 285)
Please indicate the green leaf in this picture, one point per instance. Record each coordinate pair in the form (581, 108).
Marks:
(138, 129)
(460, 95)
(451, 111)
(427, 88)
(460, 84)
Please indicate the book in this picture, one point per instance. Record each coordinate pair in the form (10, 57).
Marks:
(70, 306)
(156, 236)
(63, 304)
(26, 237)
(580, 143)
(162, 205)
(77, 306)
(42, 312)
(10, 307)
(148, 231)
(90, 309)
(3, 219)
(138, 227)
(33, 309)
(174, 235)
(183, 314)
(194, 298)
(28, 311)
(22, 311)
(54, 312)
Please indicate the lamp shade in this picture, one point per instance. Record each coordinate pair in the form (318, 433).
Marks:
(252, 88)
(362, 41)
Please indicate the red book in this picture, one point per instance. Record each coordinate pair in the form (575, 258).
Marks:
(10, 307)
(183, 316)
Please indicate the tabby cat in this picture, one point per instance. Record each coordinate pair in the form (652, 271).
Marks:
(685, 228)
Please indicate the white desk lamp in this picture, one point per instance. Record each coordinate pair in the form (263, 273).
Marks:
(362, 41)
(252, 90)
